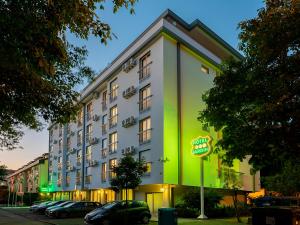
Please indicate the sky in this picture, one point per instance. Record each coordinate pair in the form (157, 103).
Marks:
(222, 16)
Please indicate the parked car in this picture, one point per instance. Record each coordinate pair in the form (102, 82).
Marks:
(57, 206)
(117, 211)
(74, 209)
(36, 205)
(42, 208)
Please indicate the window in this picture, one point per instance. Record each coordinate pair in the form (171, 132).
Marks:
(51, 149)
(89, 132)
(205, 69)
(60, 129)
(78, 174)
(112, 164)
(103, 172)
(88, 177)
(59, 179)
(88, 153)
(79, 154)
(145, 155)
(144, 71)
(104, 124)
(113, 119)
(113, 142)
(89, 111)
(68, 143)
(60, 144)
(145, 98)
(79, 138)
(68, 179)
(80, 117)
(68, 128)
(104, 148)
(104, 100)
(145, 130)
(113, 90)
(67, 160)
(148, 166)
(51, 135)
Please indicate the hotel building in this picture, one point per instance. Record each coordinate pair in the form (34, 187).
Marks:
(146, 102)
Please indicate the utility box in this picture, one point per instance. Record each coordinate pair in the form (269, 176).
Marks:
(167, 216)
(275, 216)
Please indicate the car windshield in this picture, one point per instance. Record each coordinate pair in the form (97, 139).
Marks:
(63, 204)
(109, 205)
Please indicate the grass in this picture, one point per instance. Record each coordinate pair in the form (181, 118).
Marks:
(79, 221)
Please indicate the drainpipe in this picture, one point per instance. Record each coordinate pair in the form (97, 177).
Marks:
(83, 148)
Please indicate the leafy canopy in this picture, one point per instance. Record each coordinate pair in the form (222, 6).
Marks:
(256, 101)
(3, 172)
(39, 68)
(127, 173)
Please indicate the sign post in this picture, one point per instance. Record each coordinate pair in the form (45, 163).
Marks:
(201, 146)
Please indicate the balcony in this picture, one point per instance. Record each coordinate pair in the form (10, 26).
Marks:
(113, 121)
(145, 104)
(145, 136)
(104, 153)
(145, 72)
(88, 179)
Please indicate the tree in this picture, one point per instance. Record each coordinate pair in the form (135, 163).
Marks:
(127, 174)
(3, 172)
(232, 181)
(287, 182)
(39, 67)
(255, 102)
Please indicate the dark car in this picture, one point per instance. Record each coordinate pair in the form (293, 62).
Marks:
(37, 204)
(116, 212)
(42, 207)
(74, 209)
(57, 206)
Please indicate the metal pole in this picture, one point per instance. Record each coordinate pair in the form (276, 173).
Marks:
(202, 215)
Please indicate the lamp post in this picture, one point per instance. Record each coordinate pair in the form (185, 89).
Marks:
(201, 147)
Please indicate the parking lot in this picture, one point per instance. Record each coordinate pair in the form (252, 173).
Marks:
(22, 216)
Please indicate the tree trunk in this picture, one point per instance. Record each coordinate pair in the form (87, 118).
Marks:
(235, 202)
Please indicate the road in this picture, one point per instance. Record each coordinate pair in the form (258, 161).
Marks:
(9, 218)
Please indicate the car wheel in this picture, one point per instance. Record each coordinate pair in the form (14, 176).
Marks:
(64, 215)
(145, 219)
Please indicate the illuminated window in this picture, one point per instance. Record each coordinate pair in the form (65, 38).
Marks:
(80, 117)
(89, 111)
(79, 138)
(104, 100)
(103, 172)
(112, 164)
(78, 175)
(113, 119)
(145, 63)
(113, 90)
(104, 148)
(68, 179)
(89, 132)
(88, 154)
(104, 124)
(145, 130)
(145, 98)
(113, 142)
(204, 69)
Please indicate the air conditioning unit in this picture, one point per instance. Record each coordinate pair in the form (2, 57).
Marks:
(130, 121)
(129, 150)
(55, 142)
(94, 141)
(73, 150)
(96, 118)
(129, 65)
(93, 163)
(129, 92)
(71, 168)
(96, 95)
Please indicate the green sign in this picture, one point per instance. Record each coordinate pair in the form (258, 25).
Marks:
(201, 146)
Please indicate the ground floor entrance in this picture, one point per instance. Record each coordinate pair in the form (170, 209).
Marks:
(154, 201)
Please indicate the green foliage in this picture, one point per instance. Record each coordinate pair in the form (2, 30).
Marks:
(3, 172)
(128, 173)
(287, 181)
(255, 101)
(39, 68)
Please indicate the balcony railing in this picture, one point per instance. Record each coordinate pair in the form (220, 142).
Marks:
(104, 152)
(113, 121)
(145, 72)
(145, 136)
(145, 104)
(112, 147)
